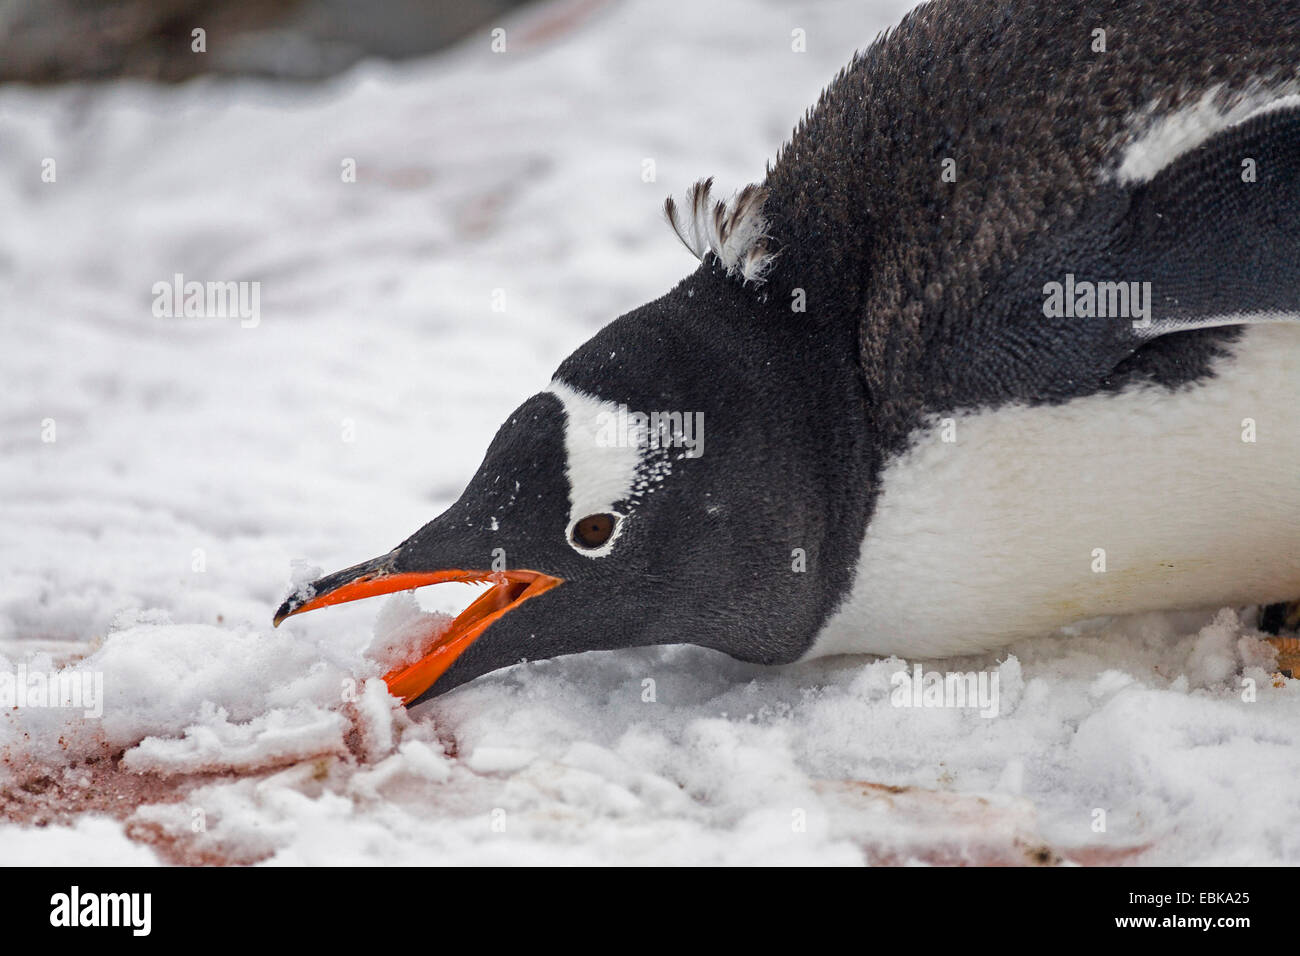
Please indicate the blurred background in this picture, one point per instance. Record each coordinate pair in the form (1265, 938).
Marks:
(52, 41)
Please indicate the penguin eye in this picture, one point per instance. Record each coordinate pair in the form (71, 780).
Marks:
(593, 530)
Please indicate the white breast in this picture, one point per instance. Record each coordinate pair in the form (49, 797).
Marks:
(995, 536)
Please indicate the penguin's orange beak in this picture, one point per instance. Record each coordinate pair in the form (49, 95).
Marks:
(509, 590)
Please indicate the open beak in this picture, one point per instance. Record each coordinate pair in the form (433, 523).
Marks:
(509, 590)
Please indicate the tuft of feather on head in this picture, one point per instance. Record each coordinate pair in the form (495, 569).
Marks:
(735, 231)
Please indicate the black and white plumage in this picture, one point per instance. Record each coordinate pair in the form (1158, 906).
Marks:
(920, 459)
(733, 231)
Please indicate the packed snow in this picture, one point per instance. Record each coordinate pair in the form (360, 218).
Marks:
(166, 481)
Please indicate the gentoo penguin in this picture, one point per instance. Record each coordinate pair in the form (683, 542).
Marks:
(1007, 338)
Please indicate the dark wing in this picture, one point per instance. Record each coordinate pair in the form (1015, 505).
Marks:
(1212, 240)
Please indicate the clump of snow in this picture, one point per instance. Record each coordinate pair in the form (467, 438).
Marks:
(161, 474)
(216, 743)
(218, 697)
(92, 841)
(302, 574)
(404, 632)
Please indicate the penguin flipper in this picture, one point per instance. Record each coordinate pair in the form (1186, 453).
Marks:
(1211, 240)
(1217, 231)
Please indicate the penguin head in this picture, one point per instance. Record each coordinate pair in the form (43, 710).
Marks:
(635, 501)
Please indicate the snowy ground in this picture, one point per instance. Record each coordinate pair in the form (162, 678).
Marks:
(194, 459)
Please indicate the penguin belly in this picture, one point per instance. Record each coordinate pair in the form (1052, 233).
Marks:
(1030, 518)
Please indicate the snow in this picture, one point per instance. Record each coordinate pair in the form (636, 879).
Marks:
(201, 469)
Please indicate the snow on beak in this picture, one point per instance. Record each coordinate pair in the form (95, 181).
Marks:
(379, 576)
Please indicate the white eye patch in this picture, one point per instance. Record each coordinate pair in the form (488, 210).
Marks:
(603, 468)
